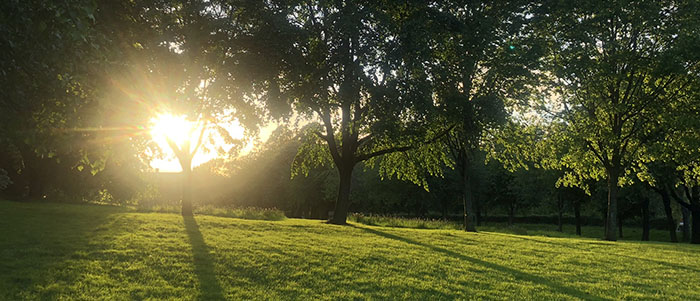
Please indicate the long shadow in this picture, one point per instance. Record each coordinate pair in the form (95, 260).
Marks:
(209, 286)
(41, 242)
(557, 244)
(503, 269)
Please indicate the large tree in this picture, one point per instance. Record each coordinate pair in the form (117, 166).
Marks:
(484, 54)
(177, 64)
(674, 160)
(616, 66)
(42, 46)
(354, 66)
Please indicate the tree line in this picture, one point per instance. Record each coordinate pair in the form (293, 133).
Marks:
(591, 95)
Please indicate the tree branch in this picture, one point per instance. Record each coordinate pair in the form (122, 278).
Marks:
(364, 157)
(364, 140)
(199, 140)
(330, 137)
(678, 198)
(602, 159)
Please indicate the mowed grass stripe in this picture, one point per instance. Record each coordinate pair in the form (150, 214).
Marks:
(59, 251)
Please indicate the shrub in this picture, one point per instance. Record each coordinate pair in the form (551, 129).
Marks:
(256, 213)
(400, 222)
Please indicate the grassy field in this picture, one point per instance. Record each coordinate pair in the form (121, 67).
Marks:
(548, 230)
(54, 251)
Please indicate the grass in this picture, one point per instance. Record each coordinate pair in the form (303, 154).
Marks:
(268, 214)
(402, 222)
(80, 252)
(547, 230)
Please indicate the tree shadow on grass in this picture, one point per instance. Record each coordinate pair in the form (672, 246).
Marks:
(43, 245)
(209, 286)
(600, 245)
(520, 275)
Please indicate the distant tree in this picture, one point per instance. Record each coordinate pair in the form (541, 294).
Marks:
(660, 180)
(576, 197)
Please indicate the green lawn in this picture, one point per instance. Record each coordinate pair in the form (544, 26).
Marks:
(568, 231)
(54, 251)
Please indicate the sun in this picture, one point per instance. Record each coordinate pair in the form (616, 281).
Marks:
(174, 127)
(181, 130)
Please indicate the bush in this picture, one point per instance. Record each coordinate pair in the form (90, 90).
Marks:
(400, 222)
(254, 213)
(268, 214)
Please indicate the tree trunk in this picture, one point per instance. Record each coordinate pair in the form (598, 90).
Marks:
(469, 216)
(695, 237)
(443, 209)
(686, 223)
(619, 226)
(577, 215)
(611, 217)
(560, 207)
(511, 213)
(669, 214)
(187, 189)
(342, 204)
(32, 173)
(645, 219)
(695, 209)
(477, 206)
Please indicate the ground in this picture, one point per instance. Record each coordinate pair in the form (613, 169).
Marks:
(59, 251)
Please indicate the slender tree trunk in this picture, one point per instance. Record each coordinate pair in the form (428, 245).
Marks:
(560, 207)
(669, 214)
(645, 219)
(685, 229)
(469, 216)
(511, 213)
(187, 188)
(695, 233)
(477, 206)
(611, 217)
(32, 173)
(443, 208)
(619, 226)
(36, 185)
(342, 204)
(695, 210)
(577, 215)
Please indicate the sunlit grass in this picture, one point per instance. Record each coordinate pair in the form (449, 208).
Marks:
(269, 214)
(74, 252)
(401, 222)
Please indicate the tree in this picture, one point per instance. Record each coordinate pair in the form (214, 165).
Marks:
(46, 48)
(660, 181)
(483, 55)
(677, 156)
(177, 65)
(184, 153)
(355, 66)
(616, 67)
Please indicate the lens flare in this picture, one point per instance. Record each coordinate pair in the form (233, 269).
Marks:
(173, 127)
